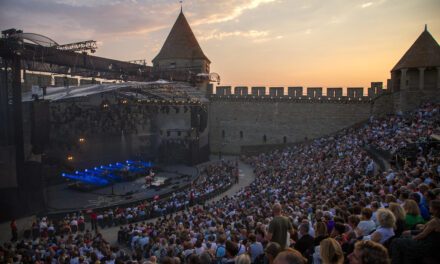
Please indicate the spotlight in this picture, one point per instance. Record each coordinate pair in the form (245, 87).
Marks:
(81, 140)
(69, 157)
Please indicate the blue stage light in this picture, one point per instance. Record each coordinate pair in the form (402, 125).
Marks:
(64, 175)
(76, 172)
(86, 170)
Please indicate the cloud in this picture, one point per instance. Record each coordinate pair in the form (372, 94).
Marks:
(255, 36)
(261, 40)
(371, 3)
(219, 35)
(75, 19)
(227, 10)
(368, 4)
(71, 20)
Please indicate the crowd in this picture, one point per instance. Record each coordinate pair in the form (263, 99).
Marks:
(323, 202)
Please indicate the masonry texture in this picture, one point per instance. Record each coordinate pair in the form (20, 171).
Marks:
(239, 123)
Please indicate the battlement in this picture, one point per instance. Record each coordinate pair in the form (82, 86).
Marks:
(298, 93)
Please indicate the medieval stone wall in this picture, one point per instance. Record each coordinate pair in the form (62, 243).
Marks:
(244, 122)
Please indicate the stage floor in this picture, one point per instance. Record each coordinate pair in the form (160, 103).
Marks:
(62, 198)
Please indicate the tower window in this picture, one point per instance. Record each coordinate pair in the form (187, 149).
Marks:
(241, 134)
(284, 139)
(223, 134)
(264, 139)
(172, 65)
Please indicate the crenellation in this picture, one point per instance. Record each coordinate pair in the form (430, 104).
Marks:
(223, 90)
(259, 90)
(295, 91)
(241, 90)
(355, 92)
(375, 89)
(334, 92)
(276, 91)
(314, 92)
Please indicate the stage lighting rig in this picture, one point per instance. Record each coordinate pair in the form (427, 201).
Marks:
(82, 46)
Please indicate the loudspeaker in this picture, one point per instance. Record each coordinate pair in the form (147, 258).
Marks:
(195, 117)
(203, 120)
(40, 126)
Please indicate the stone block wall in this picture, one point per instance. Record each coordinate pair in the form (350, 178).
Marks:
(235, 123)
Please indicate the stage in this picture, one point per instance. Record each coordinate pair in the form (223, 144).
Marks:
(62, 198)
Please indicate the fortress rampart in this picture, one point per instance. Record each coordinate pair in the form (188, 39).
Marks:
(299, 92)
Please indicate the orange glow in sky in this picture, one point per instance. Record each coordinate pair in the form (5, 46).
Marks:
(250, 42)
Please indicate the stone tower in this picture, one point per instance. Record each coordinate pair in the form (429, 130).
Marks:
(417, 74)
(181, 57)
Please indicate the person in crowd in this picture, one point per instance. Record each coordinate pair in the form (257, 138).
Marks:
(305, 244)
(255, 248)
(320, 233)
(412, 217)
(271, 252)
(14, 231)
(231, 252)
(385, 230)
(243, 259)
(280, 228)
(331, 252)
(289, 256)
(369, 252)
(416, 245)
(399, 214)
(366, 225)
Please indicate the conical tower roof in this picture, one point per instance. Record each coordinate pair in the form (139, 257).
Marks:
(181, 43)
(425, 52)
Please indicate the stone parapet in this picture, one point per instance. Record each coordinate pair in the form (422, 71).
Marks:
(287, 98)
(375, 90)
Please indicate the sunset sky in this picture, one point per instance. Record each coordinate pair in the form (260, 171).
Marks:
(250, 42)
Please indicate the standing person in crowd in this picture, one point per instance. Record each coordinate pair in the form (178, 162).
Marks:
(14, 231)
(280, 228)
(94, 221)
